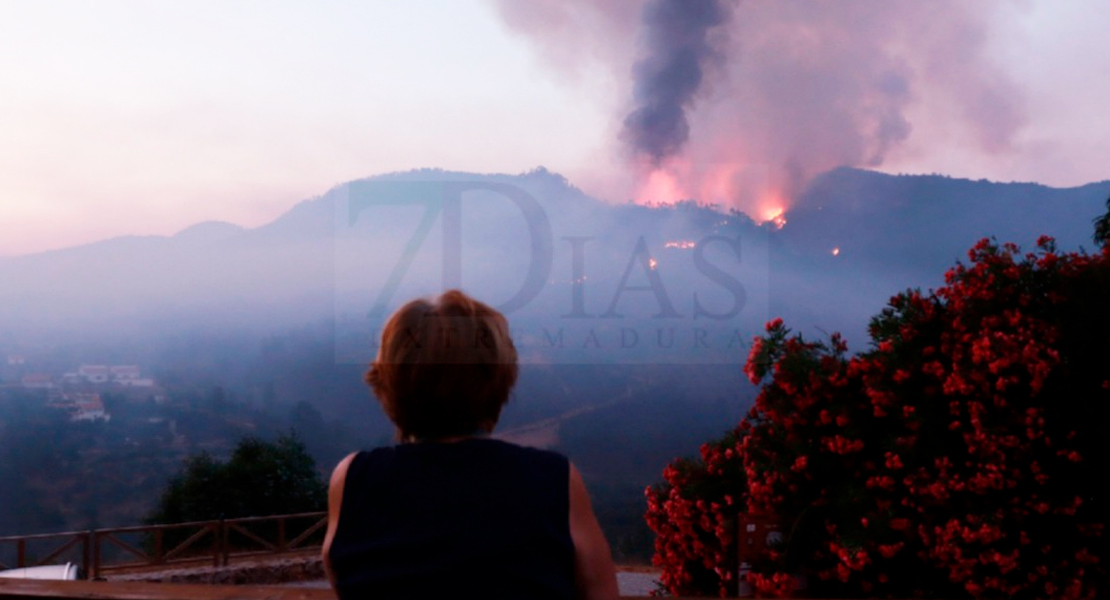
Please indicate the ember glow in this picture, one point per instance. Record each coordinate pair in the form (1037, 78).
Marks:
(652, 263)
(739, 185)
(774, 214)
(836, 251)
(680, 244)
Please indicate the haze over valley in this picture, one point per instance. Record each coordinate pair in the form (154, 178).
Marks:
(632, 321)
(208, 211)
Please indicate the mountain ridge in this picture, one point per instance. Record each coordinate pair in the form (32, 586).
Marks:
(880, 231)
(840, 176)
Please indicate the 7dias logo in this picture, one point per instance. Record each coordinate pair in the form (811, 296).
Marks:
(579, 280)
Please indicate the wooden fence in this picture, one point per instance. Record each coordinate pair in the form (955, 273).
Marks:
(20, 589)
(101, 551)
(17, 589)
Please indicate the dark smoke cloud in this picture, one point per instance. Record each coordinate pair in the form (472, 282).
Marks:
(676, 35)
(794, 88)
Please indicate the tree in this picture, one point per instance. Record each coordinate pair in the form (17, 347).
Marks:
(261, 478)
(961, 456)
(1102, 227)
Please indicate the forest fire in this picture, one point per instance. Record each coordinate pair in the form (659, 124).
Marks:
(680, 244)
(735, 186)
(774, 215)
(661, 187)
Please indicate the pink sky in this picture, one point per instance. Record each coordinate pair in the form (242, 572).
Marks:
(122, 117)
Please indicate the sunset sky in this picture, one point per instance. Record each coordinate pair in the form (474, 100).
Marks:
(146, 117)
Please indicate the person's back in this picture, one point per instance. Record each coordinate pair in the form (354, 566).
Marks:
(448, 511)
(479, 517)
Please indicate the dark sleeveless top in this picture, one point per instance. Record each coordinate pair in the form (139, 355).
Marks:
(476, 518)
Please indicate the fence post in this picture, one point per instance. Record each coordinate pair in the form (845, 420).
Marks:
(226, 545)
(21, 553)
(217, 540)
(281, 534)
(96, 555)
(86, 547)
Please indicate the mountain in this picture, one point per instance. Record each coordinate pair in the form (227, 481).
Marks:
(850, 240)
(916, 224)
(855, 237)
(632, 322)
(584, 282)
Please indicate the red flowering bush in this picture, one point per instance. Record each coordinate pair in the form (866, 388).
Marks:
(959, 457)
(693, 513)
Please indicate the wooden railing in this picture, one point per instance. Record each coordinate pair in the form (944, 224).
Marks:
(19, 589)
(16, 589)
(57, 546)
(101, 551)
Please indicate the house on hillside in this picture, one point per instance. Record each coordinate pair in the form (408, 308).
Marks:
(130, 376)
(124, 375)
(94, 373)
(82, 407)
(89, 407)
(37, 381)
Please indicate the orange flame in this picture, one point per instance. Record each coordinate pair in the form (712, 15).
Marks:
(680, 244)
(727, 185)
(774, 214)
(662, 187)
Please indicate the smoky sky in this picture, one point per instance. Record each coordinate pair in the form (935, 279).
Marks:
(677, 41)
(794, 88)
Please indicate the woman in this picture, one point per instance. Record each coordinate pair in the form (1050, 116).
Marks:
(450, 510)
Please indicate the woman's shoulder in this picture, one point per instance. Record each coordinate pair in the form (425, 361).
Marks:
(489, 452)
(527, 459)
(358, 463)
(523, 451)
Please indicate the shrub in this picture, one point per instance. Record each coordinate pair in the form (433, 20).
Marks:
(959, 457)
(694, 515)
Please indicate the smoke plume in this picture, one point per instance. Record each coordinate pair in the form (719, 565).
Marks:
(676, 35)
(741, 103)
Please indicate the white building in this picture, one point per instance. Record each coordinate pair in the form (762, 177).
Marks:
(87, 407)
(124, 373)
(94, 373)
(37, 381)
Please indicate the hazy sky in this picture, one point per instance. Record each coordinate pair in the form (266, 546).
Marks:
(145, 117)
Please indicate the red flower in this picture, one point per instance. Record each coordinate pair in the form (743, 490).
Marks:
(962, 461)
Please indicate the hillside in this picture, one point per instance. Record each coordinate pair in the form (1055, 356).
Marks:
(632, 321)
